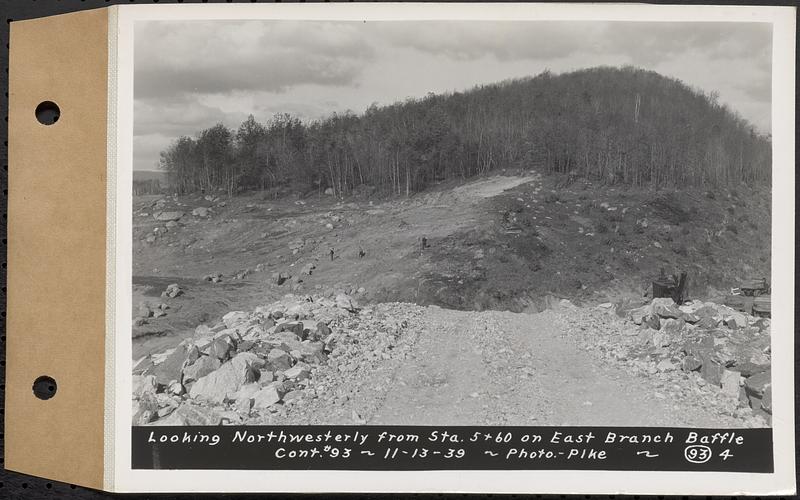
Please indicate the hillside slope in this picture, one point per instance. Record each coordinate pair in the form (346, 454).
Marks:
(503, 243)
(616, 125)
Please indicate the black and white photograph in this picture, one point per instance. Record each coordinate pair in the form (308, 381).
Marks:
(461, 223)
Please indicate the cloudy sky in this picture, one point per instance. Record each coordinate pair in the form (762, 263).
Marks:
(190, 75)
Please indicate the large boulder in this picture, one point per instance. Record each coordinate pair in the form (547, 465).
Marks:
(691, 363)
(300, 371)
(729, 381)
(218, 385)
(758, 383)
(711, 371)
(170, 368)
(266, 397)
(652, 321)
(167, 216)
(200, 368)
(666, 308)
(735, 320)
(250, 362)
(672, 327)
(707, 323)
(221, 348)
(313, 352)
(295, 327)
(278, 359)
(287, 341)
(244, 397)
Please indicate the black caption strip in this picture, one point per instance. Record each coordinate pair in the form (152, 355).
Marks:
(440, 448)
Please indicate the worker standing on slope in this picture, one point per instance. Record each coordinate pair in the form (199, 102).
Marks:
(361, 252)
(331, 252)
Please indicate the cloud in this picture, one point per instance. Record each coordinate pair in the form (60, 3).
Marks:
(652, 42)
(503, 40)
(193, 57)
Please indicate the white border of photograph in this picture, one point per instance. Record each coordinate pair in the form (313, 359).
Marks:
(120, 477)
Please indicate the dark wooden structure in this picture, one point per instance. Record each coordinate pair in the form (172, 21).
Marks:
(673, 287)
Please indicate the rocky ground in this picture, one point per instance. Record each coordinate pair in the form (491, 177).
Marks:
(327, 360)
(473, 328)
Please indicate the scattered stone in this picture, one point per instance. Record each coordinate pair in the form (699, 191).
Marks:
(172, 291)
(200, 212)
(167, 216)
(280, 278)
(665, 365)
(144, 310)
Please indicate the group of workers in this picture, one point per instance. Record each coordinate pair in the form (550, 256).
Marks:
(362, 253)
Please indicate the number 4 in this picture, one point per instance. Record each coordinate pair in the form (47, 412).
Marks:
(726, 454)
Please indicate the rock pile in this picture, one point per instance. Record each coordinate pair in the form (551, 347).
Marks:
(726, 347)
(701, 350)
(257, 365)
(214, 278)
(201, 212)
(172, 291)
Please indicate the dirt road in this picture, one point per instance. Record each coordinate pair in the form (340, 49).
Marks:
(500, 368)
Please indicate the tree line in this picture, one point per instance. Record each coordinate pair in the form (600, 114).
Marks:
(615, 125)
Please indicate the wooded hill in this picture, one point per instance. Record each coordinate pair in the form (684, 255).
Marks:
(615, 125)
